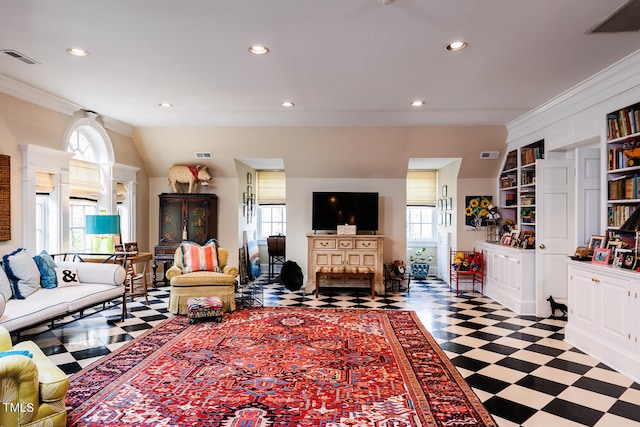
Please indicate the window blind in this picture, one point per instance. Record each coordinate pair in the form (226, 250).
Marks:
(84, 178)
(44, 183)
(271, 188)
(421, 188)
(121, 192)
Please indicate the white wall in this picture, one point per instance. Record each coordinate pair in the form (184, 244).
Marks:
(391, 220)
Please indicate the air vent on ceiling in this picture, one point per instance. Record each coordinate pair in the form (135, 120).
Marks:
(489, 154)
(625, 18)
(17, 55)
(204, 155)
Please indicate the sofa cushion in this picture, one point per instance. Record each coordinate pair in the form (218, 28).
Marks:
(46, 267)
(3, 304)
(67, 277)
(23, 273)
(5, 286)
(200, 258)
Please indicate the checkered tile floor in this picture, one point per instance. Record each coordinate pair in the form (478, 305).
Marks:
(519, 366)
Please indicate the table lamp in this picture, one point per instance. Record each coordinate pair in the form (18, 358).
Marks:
(632, 225)
(102, 227)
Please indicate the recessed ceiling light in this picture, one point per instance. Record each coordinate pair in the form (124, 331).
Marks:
(287, 104)
(77, 51)
(166, 104)
(456, 45)
(258, 49)
(418, 103)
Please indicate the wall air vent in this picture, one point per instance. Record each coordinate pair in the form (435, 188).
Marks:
(489, 155)
(204, 155)
(17, 55)
(625, 18)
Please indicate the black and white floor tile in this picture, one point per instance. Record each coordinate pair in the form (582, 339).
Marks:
(519, 366)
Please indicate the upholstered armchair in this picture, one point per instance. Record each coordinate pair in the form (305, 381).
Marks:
(32, 389)
(200, 274)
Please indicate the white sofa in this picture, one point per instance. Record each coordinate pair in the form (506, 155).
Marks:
(99, 283)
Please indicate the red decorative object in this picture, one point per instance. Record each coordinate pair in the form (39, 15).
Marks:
(278, 366)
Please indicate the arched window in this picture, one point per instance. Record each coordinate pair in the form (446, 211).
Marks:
(91, 186)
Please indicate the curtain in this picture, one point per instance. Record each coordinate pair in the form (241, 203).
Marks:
(421, 188)
(84, 178)
(44, 183)
(271, 188)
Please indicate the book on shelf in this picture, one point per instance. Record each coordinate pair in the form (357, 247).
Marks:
(624, 188)
(619, 214)
(623, 122)
(530, 155)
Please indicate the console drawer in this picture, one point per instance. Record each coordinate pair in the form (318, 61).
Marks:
(366, 244)
(324, 244)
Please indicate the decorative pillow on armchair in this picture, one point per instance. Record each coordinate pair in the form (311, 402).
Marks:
(200, 258)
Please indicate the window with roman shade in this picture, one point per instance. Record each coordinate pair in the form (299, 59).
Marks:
(121, 192)
(421, 188)
(44, 183)
(271, 188)
(84, 179)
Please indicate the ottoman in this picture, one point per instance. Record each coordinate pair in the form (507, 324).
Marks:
(204, 308)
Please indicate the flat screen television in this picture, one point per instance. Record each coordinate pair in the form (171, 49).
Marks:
(332, 208)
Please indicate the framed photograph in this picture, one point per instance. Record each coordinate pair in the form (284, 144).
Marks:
(618, 256)
(441, 204)
(596, 242)
(629, 261)
(131, 247)
(506, 240)
(249, 178)
(444, 191)
(601, 256)
(449, 204)
(614, 244)
(118, 248)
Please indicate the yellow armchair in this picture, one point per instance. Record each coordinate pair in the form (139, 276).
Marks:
(32, 389)
(201, 283)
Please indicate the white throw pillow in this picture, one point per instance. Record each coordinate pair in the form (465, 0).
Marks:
(23, 273)
(67, 277)
(5, 286)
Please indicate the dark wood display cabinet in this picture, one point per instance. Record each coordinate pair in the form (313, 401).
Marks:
(192, 217)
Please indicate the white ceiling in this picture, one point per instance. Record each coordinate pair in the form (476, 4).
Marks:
(342, 62)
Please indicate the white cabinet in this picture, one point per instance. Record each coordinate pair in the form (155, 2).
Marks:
(334, 250)
(603, 315)
(510, 276)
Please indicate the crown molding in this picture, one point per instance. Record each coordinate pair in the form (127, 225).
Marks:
(598, 89)
(27, 93)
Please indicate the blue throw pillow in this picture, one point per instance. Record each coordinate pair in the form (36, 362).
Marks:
(46, 266)
(22, 272)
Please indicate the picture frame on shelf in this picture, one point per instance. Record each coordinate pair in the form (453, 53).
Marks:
(629, 261)
(618, 256)
(506, 240)
(601, 256)
(614, 244)
(596, 242)
(444, 191)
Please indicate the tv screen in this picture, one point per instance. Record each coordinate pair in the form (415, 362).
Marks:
(331, 209)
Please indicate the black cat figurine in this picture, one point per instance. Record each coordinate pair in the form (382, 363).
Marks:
(557, 306)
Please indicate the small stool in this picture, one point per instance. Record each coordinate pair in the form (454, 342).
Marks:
(204, 308)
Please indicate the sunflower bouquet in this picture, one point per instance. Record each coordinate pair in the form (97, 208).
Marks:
(477, 210)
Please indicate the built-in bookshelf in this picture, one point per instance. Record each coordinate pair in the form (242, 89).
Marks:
(517, 185)
(623, 164)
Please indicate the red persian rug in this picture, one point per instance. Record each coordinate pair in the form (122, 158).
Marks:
(279, 367)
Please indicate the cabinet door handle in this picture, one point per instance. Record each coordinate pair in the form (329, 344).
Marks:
(324, 243)
(542, 246)
(366, 244)
(596, 280)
